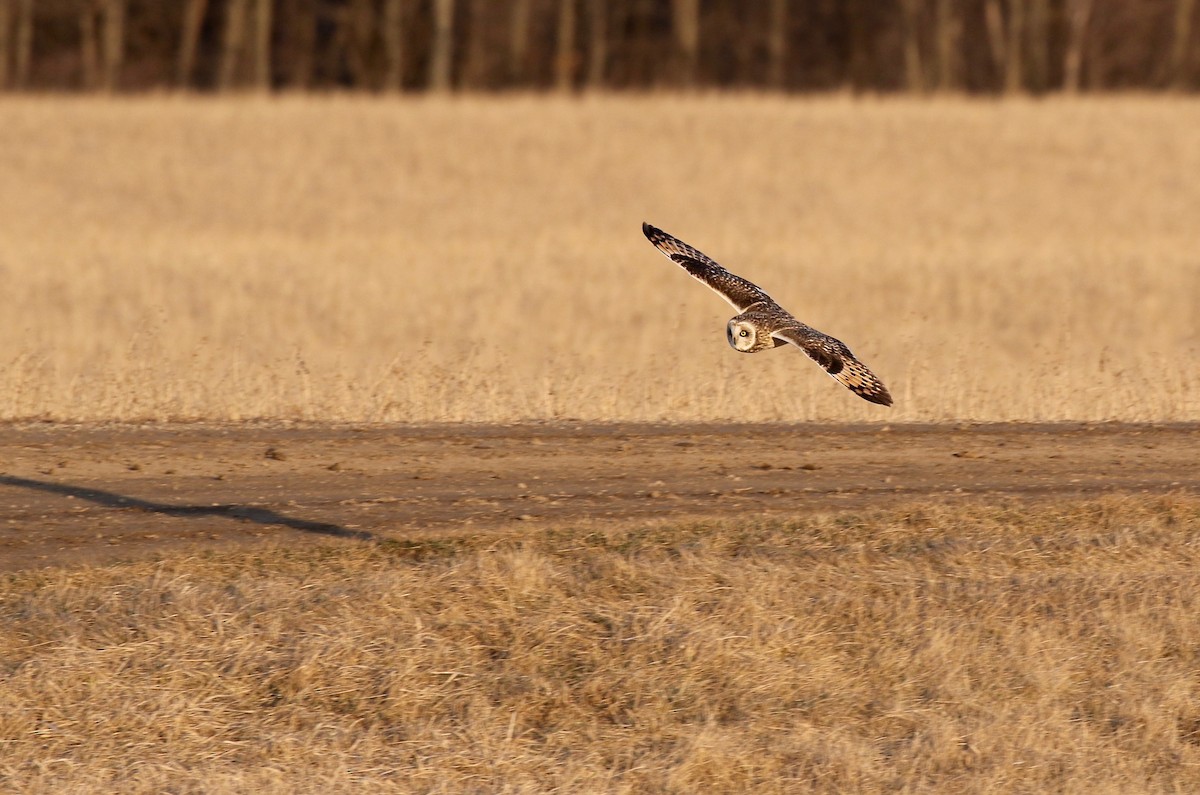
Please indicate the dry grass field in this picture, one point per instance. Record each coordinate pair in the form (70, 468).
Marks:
(360, 259)
(977, 648)
(524, 609)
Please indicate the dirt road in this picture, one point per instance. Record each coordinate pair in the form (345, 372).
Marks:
(83, 494)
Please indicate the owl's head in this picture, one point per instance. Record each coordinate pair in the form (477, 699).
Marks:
(744, 336)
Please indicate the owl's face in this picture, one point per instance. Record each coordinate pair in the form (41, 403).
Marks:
(745, 337)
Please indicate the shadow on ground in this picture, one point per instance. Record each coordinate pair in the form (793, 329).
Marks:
(248, 513)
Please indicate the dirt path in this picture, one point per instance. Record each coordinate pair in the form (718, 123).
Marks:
(70, 495)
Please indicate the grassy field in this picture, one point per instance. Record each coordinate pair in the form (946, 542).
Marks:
(480, 259)
(958, 649)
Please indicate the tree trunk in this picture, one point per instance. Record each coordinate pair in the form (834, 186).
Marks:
(300, 17)
(777, 40)
(356, 26)
(261, 58)
(686, 21)
(5, 41)
(949, 38)
(859, 67)
(231, 47)
(89, 59)
(1006, 40)
(476, 68)
(441, 62)
(598, 47)
(1039, 45)
(393, 45)
(564, 59)
(518, 41)
(193, 21)
(1079, 13)
(1014, 78)
(114, 44)
(1184, 10)
(914, 79)
(24, 41)
(994, 19)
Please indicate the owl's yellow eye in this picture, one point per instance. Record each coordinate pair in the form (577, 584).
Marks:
(743, 333)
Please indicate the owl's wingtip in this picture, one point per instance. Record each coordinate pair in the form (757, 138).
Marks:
(648, 229)
(880, 399)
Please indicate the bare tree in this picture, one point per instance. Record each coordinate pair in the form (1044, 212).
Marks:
(1079, 13)
(777, 40)
(443, 46)
(859, 66)
(1014, 78)
(994, 20)
(5, 41)
(1005, 37)
(393, 44)
(1184, 11)
(564, 58)
(101, 49)
(518, 41)
(914, 78)
(193, 20)
(300, 19)
(949, 52)
(261, 45)
(598, 46)
(24, 48)
(1039, 44)
(232, 44)
(477, 61)
(89, 58)
(356, 29)
(114, 44)
(686, 21)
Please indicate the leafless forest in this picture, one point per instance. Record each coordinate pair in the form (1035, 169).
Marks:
(976, 46)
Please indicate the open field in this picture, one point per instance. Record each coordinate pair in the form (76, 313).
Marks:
(927, 646)
(355, 259)
(609, 608)
(461, 552)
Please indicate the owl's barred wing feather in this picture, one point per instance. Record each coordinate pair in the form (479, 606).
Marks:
(830, 353)
(734, 289)
(833, 355)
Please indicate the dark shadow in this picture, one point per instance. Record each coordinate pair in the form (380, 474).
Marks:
(248, 513)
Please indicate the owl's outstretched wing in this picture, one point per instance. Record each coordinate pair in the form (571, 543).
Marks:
(734, 289)
(838, 361)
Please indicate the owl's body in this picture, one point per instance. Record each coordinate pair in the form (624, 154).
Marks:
(764, 324)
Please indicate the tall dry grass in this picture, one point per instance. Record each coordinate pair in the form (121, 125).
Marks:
(480, 258)
(929, 648)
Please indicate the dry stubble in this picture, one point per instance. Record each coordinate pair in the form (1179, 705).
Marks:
(364, 259)
(959, 649)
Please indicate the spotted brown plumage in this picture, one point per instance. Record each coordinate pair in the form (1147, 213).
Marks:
(765, 324)
(838, 361)
(734, 289)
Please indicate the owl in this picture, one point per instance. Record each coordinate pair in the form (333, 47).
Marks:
(764, 324)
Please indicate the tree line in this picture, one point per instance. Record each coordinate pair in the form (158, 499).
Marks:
(973, 46)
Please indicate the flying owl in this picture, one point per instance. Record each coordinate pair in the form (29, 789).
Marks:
(764, 324)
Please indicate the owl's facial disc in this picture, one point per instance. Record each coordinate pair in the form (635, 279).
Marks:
(741, 336)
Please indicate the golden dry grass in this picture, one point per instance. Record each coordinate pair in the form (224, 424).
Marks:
(927, 648)
(349, 258)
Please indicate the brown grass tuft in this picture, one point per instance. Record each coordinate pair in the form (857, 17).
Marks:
(964, 649)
